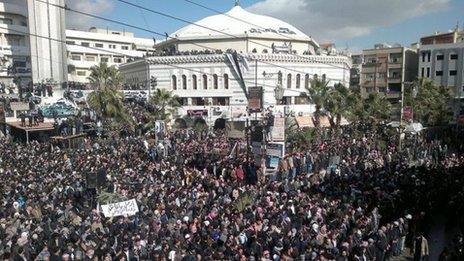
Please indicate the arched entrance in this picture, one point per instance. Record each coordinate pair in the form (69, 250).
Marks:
(220, 124)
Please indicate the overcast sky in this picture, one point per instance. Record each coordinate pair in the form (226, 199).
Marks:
(356, 24)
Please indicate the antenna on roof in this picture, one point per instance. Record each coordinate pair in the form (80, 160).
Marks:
(237, 2)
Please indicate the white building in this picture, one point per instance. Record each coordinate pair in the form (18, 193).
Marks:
(198, 63)
(32, 36)
(87, 49)
(441, 58)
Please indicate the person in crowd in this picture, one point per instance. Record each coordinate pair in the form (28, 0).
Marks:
(198, 203)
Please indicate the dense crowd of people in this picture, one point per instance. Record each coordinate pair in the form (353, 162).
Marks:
(343, 200)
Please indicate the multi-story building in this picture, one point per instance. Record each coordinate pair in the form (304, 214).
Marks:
(32, 45)
(441, 58)
(87, 49)
(355, 72)
(387, 69)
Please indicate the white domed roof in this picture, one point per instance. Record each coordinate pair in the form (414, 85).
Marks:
(238, 22)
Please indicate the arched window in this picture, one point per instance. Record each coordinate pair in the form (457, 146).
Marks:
(279, 78)
(194, 82)
(226, 81)
(174, 82)
(289, 81)
(298, 81)
(184, 82)
(307, 80)
(215, 81)
(205, 82)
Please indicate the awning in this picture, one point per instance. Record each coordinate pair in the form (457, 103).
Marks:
(304, 121)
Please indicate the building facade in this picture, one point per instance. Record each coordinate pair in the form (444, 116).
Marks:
(32, 41)
(387, 69)
(87, 49)
(441, 58)
(357, 60)
(212, 72)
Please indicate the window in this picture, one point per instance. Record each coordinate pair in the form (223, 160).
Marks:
(226, 81)
(112, 46)
(104, 59)
(75, 57)
(205, 82)
(80, 73)
(423, 57)
(307, 81)
(428, 72)
(298, 81)
(194, 82)
(174, 82)
(215, 81)
(422, 72)
(440, 57)
(90, 58)
(125, 47)
(453, 56)
(289, 81)
(428, 56)
(117, 59)
(184, 82)
(439, 73)
(453, 73)
(99, 45)
(70, 42)
(85, 44)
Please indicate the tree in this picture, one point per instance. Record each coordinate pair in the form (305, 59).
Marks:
(377, 108)
(317, 93)
(430, 102)
(337, 104)
(165, 104)
(106, 100)
(103, 76)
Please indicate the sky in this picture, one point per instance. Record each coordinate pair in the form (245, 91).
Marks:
(352, 24)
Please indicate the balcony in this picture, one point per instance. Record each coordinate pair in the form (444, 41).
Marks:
(14, 50)
(395, 60)
(14, 8)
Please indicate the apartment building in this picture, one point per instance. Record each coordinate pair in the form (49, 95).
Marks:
(32, 41)
(441, 58)
(357, 60)
(88, 48)
(387, 69)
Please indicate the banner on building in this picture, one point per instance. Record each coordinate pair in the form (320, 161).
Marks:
(255, 99)
(278, 130)
(125, 208)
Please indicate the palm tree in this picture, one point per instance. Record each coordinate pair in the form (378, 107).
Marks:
(430, 102)
(377, 108)
(103, 76)
(165, 104)
(337, 104)
(106, 100)
(317, 94)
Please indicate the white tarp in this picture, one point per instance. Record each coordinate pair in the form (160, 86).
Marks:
(125, 208)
